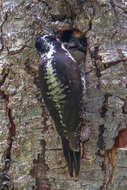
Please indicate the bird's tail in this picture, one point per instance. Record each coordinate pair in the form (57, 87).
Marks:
(72, 158)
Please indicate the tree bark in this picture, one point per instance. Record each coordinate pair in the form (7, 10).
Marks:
(31, 155)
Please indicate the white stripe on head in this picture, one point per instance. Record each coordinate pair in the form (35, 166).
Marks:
(44, 36)
(67, 52)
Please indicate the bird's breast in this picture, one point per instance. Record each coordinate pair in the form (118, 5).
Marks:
(56, 90)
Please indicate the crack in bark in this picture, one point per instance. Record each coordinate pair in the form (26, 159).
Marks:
(17, 51)
(113, 6)
(104, 106)
(4, 177)
(107, 160)
(116, 15)
(106, 65)
(112, 63)
(123, 8)
(101, 143)
(39, 170)
(12, 131)
(107, 174)
(1, 31)
(95, 57)
(122, 58)
(103, 110)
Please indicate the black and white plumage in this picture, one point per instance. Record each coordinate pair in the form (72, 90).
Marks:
(61, 89)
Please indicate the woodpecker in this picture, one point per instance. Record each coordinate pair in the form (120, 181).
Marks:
(61, 89)
(76, 43)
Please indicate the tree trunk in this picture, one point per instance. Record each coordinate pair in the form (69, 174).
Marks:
(31, 155)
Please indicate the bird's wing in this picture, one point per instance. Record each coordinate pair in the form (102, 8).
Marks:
(63, 95)
(69, 75)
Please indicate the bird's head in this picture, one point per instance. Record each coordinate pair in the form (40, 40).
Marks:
(44, 43)
(73, 38)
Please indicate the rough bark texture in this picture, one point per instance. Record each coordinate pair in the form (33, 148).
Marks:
(30, 149)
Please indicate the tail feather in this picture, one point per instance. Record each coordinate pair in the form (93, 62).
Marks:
(76, 164)
(72, 158)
